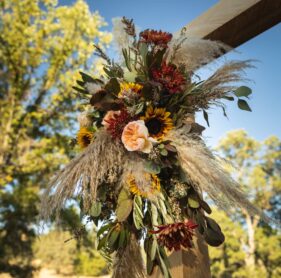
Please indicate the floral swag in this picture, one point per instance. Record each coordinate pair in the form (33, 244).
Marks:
(143, 165)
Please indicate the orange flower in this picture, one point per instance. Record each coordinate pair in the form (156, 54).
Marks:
(135, 137)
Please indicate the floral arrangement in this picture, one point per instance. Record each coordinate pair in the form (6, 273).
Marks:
(143, 165)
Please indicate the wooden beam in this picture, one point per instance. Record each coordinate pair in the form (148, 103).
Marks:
(236, 21)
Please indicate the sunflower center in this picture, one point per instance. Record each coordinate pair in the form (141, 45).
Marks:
(87, 140)
(154, 126)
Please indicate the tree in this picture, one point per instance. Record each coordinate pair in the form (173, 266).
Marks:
(42, 47)
(257, 168)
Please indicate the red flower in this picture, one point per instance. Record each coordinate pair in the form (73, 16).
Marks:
(170, 77)
(115, 121)
(176, 235)
(155, 37)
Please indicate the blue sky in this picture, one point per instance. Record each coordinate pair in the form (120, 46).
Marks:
(171, 15)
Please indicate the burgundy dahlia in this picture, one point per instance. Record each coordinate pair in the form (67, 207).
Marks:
(115, 121)
(176, 235)
(170, 77)
(155, 37)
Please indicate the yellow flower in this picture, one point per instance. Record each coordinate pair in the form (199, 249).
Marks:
(158, 122)
(126, 88)
(84, 137)
(142, 190)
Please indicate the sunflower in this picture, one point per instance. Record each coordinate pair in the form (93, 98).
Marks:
(126, 88)
(84, 137)
(158, 122)
(143, 191)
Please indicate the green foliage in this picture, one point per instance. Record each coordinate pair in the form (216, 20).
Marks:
(90, 264)
(252, 248)
(56, 251)
(39, 62)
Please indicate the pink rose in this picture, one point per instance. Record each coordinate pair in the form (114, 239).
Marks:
(135, 137)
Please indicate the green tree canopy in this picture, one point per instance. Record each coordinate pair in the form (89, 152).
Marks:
(42, 47)
(257, 167)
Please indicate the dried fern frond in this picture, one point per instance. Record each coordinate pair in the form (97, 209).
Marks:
(100, 162)
(194, 52)
(218, 85)
(205, 171)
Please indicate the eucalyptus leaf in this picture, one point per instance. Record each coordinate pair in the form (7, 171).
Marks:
(153, 249)
(149, 265)
(164, 152)
(124, 209)
(95, 210)
(102, 242)
(164, 267)
(124, 205)
(205, 206)
(103, 229)
(152, 167)
(193, 203)
(243, 91)
(213, 224)
(213, 238)
(230, 98)
(243, 105)
(154, 215)
(122, 238)
(113, 237)
(206, 117)
(113, 86)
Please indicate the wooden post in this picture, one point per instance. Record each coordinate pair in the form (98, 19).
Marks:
(190, 263)
(232, 22)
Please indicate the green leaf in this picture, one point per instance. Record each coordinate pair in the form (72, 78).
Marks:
(124, 209)
(127, 59)
(243, 105)
(153, 249)
(193, 203)
(154, 215)
(213, 224)
(95, 210)
(205, 206)
(86, 77)
(103, 229)
(149, 266)
(206, 117)
(124, 205)
(113, 237)
(164, 152)
(122, 238)
(113, 86)
(230, 98)
(137, 212)
(213, 234)
(213, 238)
(224, 112)
(79, 90)
(152, 167)
(164, 267)
(80, 83)
(102, 242)
(243, 91)
(146, 91)
(143, 49)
